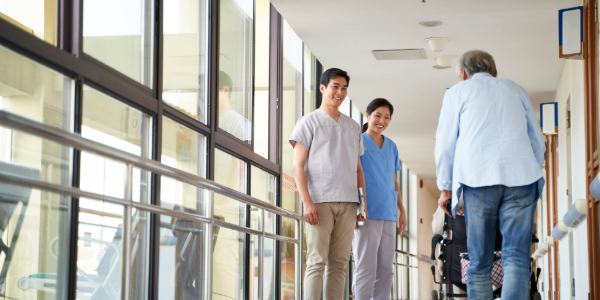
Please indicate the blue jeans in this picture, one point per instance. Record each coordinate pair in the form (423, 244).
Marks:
(511, 208)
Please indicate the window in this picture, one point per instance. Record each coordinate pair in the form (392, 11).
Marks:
(261, 78)
(345, 107)
(34, 227)
(292, 111)
(185, 59)
(235, 64)
(36, 92)
(264, 187)
(37, 17)
(115, 124)
(183, 149)
(182, 264)
(288, 271)
(228, 264)
(231, 172)
(119, 33)
(356, 113)
(310, 88)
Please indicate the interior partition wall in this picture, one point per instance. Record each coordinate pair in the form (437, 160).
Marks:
(198, 86)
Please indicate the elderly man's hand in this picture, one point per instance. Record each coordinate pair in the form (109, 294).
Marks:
(446, 195)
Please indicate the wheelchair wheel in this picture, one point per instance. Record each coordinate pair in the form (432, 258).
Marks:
(434, 295)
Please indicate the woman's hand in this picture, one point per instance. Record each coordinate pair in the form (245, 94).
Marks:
(402, 223)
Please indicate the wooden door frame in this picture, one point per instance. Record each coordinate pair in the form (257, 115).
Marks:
(590, 31)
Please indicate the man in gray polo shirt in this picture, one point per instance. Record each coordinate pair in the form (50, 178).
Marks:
(327, 149)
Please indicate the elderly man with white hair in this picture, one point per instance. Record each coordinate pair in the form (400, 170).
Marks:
(489, 148)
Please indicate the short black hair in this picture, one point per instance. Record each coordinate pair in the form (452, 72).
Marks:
(333, 73)
(224, 80)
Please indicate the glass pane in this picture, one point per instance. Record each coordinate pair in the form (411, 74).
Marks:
(288, 271)
(37, 17)
(34, 228)
(292, 111)
(34, 91)
(185, 56)
(182, 268)
(345, 107)
(111, 122)
(261, 78)
(121, 38)
(140, 254)
(235, 63)
(231, 172)
(100, 251)
(355, 113)
(288, 227)
(183, 149)
(364, 119)
(309, 81)
(228, 264)
(254, 266)
(269, 262)
(263, 185)
(256, 218)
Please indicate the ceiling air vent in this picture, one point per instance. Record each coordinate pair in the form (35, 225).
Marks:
(399, 54)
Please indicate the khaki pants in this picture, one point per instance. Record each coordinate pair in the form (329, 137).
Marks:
(329, 243)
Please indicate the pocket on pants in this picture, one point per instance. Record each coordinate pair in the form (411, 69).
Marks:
(525, 194)
(474, 198)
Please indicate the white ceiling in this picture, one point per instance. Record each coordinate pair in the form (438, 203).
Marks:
(522, 35)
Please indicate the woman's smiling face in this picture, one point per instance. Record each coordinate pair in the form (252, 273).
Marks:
(379, 119)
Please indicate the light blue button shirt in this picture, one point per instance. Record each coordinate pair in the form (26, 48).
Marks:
(379, 166)
(488, 134)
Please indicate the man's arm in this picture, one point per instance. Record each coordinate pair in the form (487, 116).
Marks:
(445, 147)
(402, 223)
(360, 182)
(311, 214)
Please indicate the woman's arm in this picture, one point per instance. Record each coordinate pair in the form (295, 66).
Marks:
(402, 222)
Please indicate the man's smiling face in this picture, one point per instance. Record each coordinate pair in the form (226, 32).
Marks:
(335, 92)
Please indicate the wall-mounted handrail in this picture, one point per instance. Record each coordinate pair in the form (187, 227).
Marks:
(16, 122)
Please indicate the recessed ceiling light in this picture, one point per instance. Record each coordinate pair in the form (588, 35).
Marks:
(430, 23)
(441, 67)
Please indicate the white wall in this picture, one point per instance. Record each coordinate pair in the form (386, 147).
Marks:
(571, 86)
(426, 206)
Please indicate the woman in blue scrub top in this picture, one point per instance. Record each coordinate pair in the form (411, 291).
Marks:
(374, 242)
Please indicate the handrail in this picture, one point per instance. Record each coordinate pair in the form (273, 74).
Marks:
(14, 121)
(406, 253)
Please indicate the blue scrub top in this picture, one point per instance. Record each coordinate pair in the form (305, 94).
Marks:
(379, 166)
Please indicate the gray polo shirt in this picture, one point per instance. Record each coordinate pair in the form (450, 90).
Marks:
(333, 152)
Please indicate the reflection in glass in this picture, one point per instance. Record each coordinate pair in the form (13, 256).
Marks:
(100, 251)
(34, 230)
(288, 271)
(288, 227)
(183, 149)
(269, 262)
(231, 172)
(185, 32)
(33, 90)
(345, 107)
(121, 38)
(182, 266)
(310, 89)
(261, 78)
(228, 264)
(37, 17)
(292, 111)
(254, 266)
(263, 186)
(113, 123)
(235, 68)
(355, 113)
